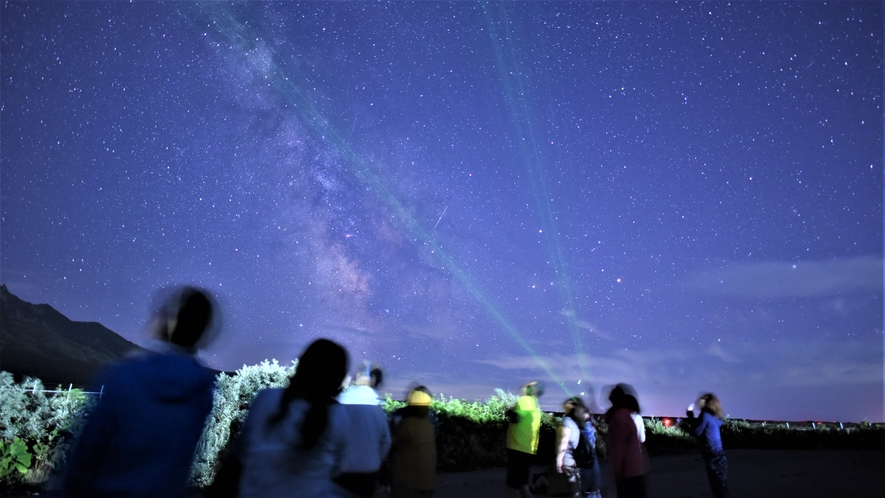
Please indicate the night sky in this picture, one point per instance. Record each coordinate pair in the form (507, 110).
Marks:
(680, 196)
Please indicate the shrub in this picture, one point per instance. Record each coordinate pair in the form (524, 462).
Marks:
(36, 430)
(472, 434)
(233, 395)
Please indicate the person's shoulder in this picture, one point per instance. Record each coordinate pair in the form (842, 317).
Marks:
(526, 402)
(340, 418)
(359, 395)
(620, 415)
(265, 396)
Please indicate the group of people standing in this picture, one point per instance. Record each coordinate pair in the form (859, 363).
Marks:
(576, 454)
(307, 439)
(313, 439)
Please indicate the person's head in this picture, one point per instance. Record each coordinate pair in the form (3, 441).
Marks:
(533, 388)
(570, 403)
(710, 403)
(576, 410)
(632, 403)
(184, 316)
(317, 379)
(419, 402)
(624, 396)
(369, 375)
(320, 371)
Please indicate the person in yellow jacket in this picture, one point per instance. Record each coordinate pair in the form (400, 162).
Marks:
(522, 440)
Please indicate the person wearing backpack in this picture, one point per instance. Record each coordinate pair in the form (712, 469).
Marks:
(591, 475)
(576, 450)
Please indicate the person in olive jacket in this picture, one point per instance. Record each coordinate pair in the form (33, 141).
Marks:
(414, 448)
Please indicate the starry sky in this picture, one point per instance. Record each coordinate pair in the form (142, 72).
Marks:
(681, 196)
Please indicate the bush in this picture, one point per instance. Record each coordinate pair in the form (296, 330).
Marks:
(472, 434)
(36, 430)
(233, 395)
(743, 434)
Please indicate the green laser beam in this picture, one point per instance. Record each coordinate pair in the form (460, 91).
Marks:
(517, 91)
(239, 35)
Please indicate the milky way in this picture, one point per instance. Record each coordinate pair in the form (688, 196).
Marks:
(681, 196)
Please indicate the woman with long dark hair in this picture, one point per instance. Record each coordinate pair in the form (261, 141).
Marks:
(706, 429)
(293, 438)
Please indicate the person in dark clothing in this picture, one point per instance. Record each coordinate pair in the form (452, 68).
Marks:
(385, 475)
(626, 452)
(706, 429)
(140, 439)
(414, 444)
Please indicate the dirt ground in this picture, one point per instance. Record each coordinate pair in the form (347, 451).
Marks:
(751, 473)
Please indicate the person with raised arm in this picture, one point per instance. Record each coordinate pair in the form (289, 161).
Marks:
(706, 429)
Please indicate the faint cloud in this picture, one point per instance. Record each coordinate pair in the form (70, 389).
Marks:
(593, 329)
(811, 363)
(585, 325)
(772, 280)
(839, 305)
(341, 330)
(617, 366)
(440, 332)
(790, 364)
(720, 352)
(474, 389)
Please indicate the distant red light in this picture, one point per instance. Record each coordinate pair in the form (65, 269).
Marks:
(667, 422)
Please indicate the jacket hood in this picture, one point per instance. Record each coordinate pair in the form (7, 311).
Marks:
(175, 377)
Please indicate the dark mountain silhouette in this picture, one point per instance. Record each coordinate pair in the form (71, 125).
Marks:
(38, 341)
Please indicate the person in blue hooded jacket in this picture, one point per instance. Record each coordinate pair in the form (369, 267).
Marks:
(139, 441)
(706, 429)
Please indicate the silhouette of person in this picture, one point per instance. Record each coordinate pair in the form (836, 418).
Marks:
(522, 439)
(368, 435)
(385, 475)
(140, 438)
(414, 447)
(293, 440)
(625, 450)
(706, 429)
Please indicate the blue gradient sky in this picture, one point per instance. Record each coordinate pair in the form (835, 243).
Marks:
(683, 197)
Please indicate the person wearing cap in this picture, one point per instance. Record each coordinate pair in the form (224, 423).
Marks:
(368, 435)
(414, 448)
(522, 439)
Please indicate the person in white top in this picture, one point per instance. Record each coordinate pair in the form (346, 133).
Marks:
(368, 435)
